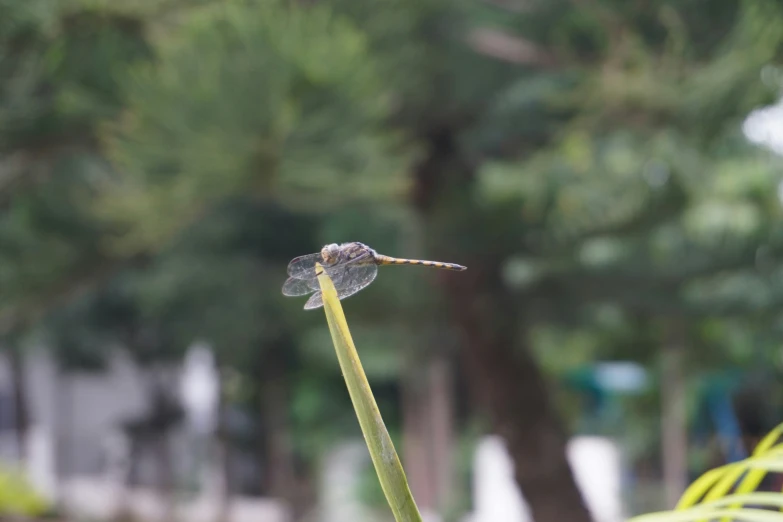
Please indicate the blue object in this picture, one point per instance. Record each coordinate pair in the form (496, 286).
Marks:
(718, 401)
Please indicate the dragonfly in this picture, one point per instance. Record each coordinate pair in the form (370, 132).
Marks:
(351, 266)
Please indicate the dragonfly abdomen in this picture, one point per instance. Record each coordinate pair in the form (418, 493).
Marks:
(386, 260)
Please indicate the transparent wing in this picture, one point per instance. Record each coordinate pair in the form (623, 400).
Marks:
(316, 301)
(354, 279)
(303, 267)
(347, 282)
(296, 287)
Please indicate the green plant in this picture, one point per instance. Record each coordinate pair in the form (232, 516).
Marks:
(384, 456)
(17, 496)
(729, 492)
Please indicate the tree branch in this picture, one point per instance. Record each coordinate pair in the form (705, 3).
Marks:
(508, 48)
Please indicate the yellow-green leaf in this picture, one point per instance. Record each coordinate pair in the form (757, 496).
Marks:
(720, 494)
(384, 457)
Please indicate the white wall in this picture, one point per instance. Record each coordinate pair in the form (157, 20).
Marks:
(595, 462)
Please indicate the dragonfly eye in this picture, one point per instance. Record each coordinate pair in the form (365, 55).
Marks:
(329, 253)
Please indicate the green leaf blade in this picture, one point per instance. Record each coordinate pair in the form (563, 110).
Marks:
(384, 457)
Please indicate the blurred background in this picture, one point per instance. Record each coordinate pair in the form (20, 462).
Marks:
(609, 171)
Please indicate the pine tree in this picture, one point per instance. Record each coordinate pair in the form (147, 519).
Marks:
(570, 153)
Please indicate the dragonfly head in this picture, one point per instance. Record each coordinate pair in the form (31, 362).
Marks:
(330, 252)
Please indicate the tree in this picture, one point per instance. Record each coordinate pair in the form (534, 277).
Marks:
(530, 134)
(62, 65)
(570, 153)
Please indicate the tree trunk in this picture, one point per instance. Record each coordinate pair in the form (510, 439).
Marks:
(160, 422)
(123, 512)
(428, 432)
(165, 474)
(279, 473)
(513, 393)
(21, 418)
(674, 436)
(506, 380)
(442, 429)
(223, 439)
(418, 466)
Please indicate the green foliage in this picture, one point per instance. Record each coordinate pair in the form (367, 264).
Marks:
(729, 492)
(17, 497)
(589, 153)
(246, 100)
(63, 66)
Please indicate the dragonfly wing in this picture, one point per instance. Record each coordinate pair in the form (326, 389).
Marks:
(316, 301)
(354, 279)
(296, 287)
(303, 267)
(347, 283)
